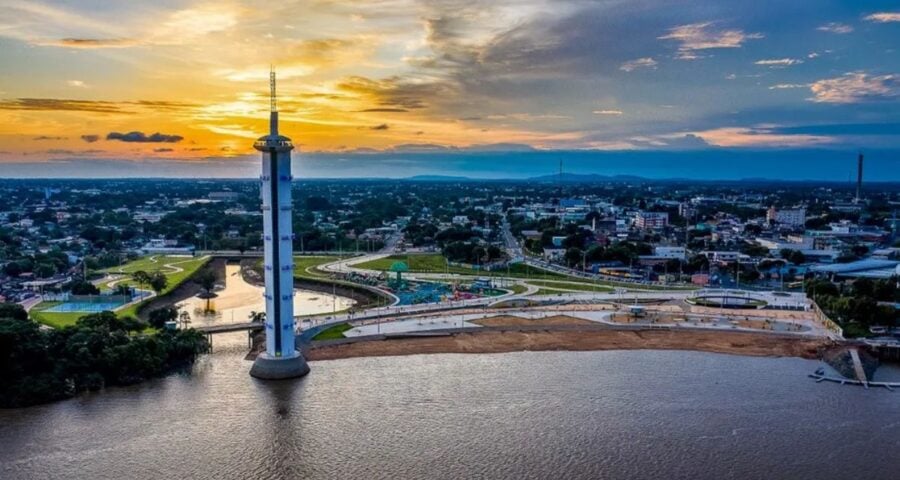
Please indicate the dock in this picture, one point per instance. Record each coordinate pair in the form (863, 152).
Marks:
(858, 368)
(818, 377)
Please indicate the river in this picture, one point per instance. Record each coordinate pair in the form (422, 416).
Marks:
(608, 414)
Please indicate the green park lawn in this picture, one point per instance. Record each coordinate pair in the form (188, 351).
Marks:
(188, 265)
(571, 286)
(547, 291)
(436, 263)
(306, 266)
(333, 333)
(54, 319)
(517, 288)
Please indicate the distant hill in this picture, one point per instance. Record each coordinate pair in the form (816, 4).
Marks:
(438, 178)
(585, 178)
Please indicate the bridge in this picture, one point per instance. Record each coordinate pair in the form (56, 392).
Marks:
(231, 327)
(249, 327)
(259, 254)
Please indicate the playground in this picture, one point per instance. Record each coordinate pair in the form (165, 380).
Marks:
(416, 292)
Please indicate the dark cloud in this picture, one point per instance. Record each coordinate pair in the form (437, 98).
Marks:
(90, 138)
(163, 150)
(92, 43)
(96, 106)
(60, 151)
(383, 110)
(61, 104)
(383, 126)
(141, 137)
(396, 92)
(45, 137)
(163, 105)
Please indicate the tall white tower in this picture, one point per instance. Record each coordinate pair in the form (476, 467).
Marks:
(281, 358)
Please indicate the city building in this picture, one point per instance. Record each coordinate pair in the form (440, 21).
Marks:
(794, 217)
(651, 220)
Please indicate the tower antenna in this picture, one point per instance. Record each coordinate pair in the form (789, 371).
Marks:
(273, 107)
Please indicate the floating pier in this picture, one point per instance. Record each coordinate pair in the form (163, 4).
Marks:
(818, 377)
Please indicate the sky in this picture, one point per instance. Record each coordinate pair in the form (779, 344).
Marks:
(489, 88)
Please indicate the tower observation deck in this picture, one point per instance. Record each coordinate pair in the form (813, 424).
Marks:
(281, 358)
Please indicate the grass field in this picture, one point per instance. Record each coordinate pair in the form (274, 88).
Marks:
(517, 288)
(305, 266)
(546, 291)
(436, 263)
(333, 333)
(571, 286)
(54, 319)
(188, 266)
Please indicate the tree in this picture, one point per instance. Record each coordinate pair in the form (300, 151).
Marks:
(13, 311)
(158, 282)
(38, 366)
(257, 317)
(160, 316)
(794, 256)
(185, 319)
(84, 288)
(141, 277)
(574, 256)
(207, 281)
(860, 250)
(864, 287)
(132, 324)
(122, 289)
(754, 250)
(13, 269)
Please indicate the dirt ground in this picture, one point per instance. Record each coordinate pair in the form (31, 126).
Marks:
(739, 343)
(514, 321)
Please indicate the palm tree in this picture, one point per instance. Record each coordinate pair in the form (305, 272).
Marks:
(141, 277)
(207, 281)
(184, 318)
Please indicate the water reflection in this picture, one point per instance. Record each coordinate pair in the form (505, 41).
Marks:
(239, 299)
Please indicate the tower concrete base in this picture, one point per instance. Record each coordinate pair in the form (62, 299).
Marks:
(274, 368)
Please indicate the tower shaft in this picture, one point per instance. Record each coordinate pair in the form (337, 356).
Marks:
(278, 252)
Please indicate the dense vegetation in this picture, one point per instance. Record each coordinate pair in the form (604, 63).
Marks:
(856, 307)
(38, 365)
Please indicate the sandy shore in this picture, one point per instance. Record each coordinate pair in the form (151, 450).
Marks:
(496, 341)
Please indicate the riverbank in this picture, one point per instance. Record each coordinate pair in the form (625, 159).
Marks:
(573, 339)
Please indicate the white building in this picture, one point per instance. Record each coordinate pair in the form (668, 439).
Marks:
(795, 217)
(679, 253)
